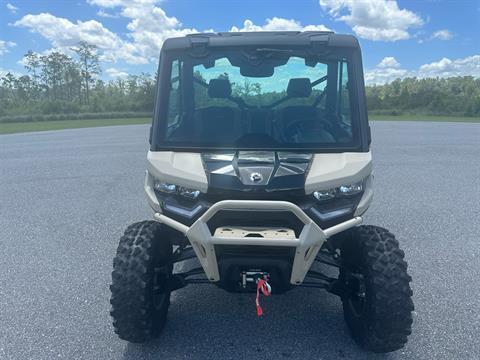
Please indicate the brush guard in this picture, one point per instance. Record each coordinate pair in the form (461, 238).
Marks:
(307, 244)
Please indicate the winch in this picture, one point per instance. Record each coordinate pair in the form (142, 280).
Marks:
(249, 278)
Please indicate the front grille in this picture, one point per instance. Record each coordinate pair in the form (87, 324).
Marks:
(293, 195)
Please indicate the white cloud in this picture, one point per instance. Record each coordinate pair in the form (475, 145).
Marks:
(63, 34)
(105, 14)
(5, 46)
(385, 75)
(11, 8)
(374, 19)
(386, 71)
(149, 25)
(316, 28)
(446, 67)
(148, 28)
(390, 69)
(116, 73)
(442, 35)
(115, 3)
(279, 24)
(389, 62)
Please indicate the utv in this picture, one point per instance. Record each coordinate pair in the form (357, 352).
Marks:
(260, 167)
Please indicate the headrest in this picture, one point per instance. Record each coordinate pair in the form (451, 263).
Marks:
(299, 88)
(219, 88)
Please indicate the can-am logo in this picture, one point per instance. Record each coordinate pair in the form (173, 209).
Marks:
(256, 177)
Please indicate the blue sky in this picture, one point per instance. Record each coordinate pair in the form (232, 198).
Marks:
(401, 38)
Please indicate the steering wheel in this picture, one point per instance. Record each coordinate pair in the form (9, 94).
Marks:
(305, 128)
(296, 128)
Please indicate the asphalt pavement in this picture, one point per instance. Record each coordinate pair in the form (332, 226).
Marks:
(66, 196)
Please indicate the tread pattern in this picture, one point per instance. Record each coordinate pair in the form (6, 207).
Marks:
(136, 318)
(387, 320)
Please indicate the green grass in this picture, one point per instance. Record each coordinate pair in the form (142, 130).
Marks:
(439, 118)
(10, 128)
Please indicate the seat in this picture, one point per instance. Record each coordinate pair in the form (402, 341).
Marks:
(218, 124)
(304, 117)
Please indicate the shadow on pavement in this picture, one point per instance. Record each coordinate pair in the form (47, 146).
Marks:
(208, 323)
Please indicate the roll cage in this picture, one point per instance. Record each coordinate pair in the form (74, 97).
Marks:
(199, 46)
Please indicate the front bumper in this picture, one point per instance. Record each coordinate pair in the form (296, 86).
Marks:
(307, 244)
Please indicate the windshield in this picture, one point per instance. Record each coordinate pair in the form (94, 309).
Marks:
(262, 99)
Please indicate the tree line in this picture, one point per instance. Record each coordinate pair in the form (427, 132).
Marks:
(57, 83)
(437, 96)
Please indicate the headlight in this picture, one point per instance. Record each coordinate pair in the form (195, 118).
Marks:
(169, 188)
(341, 191)
(189, 193)
(324, 194)
(165, 187)
(352, 189)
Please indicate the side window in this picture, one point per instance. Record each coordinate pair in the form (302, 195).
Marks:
(343, 98)
(175, 101)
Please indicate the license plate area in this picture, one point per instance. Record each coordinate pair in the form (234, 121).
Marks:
(236, 232)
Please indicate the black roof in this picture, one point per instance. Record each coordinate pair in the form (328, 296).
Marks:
(262, 38)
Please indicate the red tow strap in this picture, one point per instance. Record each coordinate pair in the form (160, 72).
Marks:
(266, 290)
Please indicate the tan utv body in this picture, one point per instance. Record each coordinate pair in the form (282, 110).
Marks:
(259, 168)
(327, 171)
